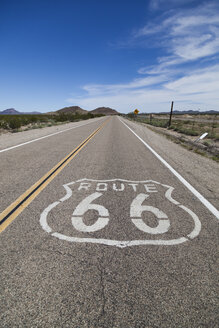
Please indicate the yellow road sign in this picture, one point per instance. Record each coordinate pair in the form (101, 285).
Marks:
(136, 111)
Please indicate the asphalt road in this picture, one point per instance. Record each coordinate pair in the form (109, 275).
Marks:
(115, 239)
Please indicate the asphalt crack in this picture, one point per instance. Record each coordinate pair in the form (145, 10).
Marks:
(102, 273)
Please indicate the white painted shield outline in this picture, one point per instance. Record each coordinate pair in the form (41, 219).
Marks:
(195, 232)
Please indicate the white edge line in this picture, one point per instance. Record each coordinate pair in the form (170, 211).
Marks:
(204, 201)
(48, 135)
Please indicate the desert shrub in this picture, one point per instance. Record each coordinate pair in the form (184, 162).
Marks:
(216, 158)
(4, 124)
(14, 123)
(186, 122)
(206, 143)
(159, 123)
(131, 115)
(33, 119)
(188, 132)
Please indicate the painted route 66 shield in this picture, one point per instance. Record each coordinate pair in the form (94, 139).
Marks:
(120, 213)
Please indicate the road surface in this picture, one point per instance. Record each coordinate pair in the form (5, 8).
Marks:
(99, 231)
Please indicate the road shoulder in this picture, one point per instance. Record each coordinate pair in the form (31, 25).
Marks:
(200, 171)
(12, 139)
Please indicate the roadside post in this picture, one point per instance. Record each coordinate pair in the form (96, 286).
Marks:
(202, 136)
(171, 112)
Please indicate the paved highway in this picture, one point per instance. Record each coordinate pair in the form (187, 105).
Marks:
(108, 225)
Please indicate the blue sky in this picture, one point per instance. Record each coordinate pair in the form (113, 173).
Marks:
(120, 53)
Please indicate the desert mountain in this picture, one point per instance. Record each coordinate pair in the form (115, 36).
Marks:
(9, 111)
(72, 110)
(65, 110)
(105, 111)
(183, 112)
(12, 111)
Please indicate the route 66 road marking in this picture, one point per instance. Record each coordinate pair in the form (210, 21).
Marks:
(88, 196)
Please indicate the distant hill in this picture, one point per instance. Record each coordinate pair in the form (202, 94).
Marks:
(79, 110)
(65, 110)
(72, 110)
(181, 112)
(195, 112)
(104, 110)
(12, 111)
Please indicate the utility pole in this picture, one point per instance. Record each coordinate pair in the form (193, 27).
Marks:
(171, 112)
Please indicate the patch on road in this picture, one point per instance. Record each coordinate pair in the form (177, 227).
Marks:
(120, 213)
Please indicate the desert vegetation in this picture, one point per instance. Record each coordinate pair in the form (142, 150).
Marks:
(16, 123)
(185, 130)
(194, 126)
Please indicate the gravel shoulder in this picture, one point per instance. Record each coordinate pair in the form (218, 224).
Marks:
(9, 139)
(199, 171)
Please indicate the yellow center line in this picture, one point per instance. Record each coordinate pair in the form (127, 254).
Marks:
(13, 210)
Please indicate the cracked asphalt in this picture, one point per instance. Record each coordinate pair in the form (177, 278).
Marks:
(141, 253)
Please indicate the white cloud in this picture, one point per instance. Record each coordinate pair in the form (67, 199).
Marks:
(185, 35)
(127, 101)
(192, 48)
(159, 4)
(163, 66)
(205, 81)
(185, 38)
(97, 89)
(148, 29)
(199, 89)
(186, 23)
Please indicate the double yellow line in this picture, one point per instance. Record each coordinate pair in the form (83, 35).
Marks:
(12, 211)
